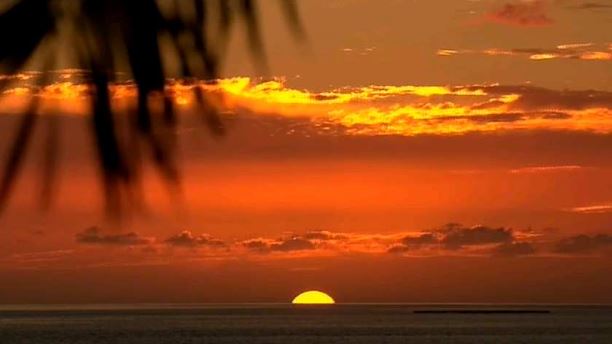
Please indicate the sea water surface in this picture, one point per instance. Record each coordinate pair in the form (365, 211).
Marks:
(280, 323)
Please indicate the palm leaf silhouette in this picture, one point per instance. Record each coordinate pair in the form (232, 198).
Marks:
(123, 36)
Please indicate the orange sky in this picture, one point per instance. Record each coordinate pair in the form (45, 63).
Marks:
(450, 151)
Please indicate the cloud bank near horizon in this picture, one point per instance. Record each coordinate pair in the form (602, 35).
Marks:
(452, 239)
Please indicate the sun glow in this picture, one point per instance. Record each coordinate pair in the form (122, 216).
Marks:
(313, 297)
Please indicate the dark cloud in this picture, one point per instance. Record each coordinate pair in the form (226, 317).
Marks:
(410, 243)
(513, 249)
(533, 51)
(188, 239)
(457, 236)
(499, 117)
(288, 244)
(260, 245)
(554, 115)
(534, 98)
(521, 13)
(583, 243)
(592, 6)
(423, 239)
(398, 249)
(489, 104)
(510, 117)
(280, 245)
(94, 236)
(323, 97)
(541, 98)
(489, 118)
(514, 116)
(293, 244)
(454, 236)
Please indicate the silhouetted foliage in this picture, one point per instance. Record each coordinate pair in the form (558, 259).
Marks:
(114, 37)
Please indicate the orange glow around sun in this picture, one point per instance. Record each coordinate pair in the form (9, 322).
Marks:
(313, 297)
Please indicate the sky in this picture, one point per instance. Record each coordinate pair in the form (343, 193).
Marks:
(411, 151)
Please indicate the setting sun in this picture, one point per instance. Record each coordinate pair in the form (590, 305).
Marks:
(313, 297)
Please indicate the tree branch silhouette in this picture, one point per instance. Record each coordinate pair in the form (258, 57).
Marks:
(118, 36)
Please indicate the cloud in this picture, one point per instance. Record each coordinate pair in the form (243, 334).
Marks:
(94, 236)
(457, 236)
(414, 110)
(592, 209)
(259, 244)
(571, 51)
(420, 240)
(38, 257)
(415, 242)
(405, 110)
(451, 239)
(534, 98)
(583, 244)
(509, 117)
(323, 235)
(574, 45)
(321, 241)
(592, 6)
(546, 169)
(457, 239)
(292, 243)
(188, 239)
(514, 249)
(376, 110)
(526, 13)
(359, 51)
(398, 249)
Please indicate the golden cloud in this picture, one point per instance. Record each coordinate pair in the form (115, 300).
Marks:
(572, 51)
(546, 169)
(592, 209)
(371, 110)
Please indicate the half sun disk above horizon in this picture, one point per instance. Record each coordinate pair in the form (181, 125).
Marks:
(313, 297)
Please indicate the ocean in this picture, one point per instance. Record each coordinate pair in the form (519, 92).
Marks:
(279, 323)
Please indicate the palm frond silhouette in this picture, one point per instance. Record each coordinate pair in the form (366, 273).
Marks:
(118, 36)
